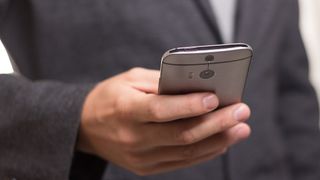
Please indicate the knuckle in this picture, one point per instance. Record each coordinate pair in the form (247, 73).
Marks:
(134, 160)
(155, 111)
(223, 123)
(129, 141)
(191, 106)
(194, 108)
(190, 152)
(131, 74)
(223, 120)
(186, 137)
(132, 144)
(122, 107)
(134, 71)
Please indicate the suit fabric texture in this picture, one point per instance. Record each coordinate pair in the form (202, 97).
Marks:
(64, 47)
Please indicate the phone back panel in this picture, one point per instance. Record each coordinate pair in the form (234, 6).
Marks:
(227, 74)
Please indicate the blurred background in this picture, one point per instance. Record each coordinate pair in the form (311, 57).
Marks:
(310, 28)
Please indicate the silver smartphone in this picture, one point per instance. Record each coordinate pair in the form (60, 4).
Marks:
(221, 69)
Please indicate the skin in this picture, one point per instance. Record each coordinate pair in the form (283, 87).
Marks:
(124, 121)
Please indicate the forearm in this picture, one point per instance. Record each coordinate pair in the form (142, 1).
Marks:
(38, 127)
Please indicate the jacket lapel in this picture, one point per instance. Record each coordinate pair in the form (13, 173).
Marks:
(206, 11)
(255, 19)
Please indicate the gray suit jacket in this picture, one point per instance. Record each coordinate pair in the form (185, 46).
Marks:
(63, 47)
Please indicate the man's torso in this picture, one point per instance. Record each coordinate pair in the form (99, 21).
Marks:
(88, 41)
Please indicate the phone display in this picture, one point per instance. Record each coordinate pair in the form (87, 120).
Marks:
(221, 69)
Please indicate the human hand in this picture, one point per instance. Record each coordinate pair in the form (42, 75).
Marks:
(125, 122)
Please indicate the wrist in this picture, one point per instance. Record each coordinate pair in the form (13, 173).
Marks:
(87, 115)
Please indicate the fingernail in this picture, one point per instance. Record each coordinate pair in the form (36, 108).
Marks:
(239, 135)
(242, 133)
(210, 102)
(240, 114)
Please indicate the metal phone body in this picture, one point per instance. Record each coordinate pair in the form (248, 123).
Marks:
(221, 69)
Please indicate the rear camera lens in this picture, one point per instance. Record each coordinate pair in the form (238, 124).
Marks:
(207, 74)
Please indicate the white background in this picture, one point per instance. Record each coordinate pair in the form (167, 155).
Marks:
(5, 66)
(310, 28)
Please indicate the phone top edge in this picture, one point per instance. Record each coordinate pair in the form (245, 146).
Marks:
(207, 49)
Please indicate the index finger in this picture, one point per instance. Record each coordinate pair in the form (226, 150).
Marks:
(164, 108)
(145, 80)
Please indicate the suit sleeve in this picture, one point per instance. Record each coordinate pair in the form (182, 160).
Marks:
(299, 112)
(38, 127)
(4, 7)
(39, 120)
